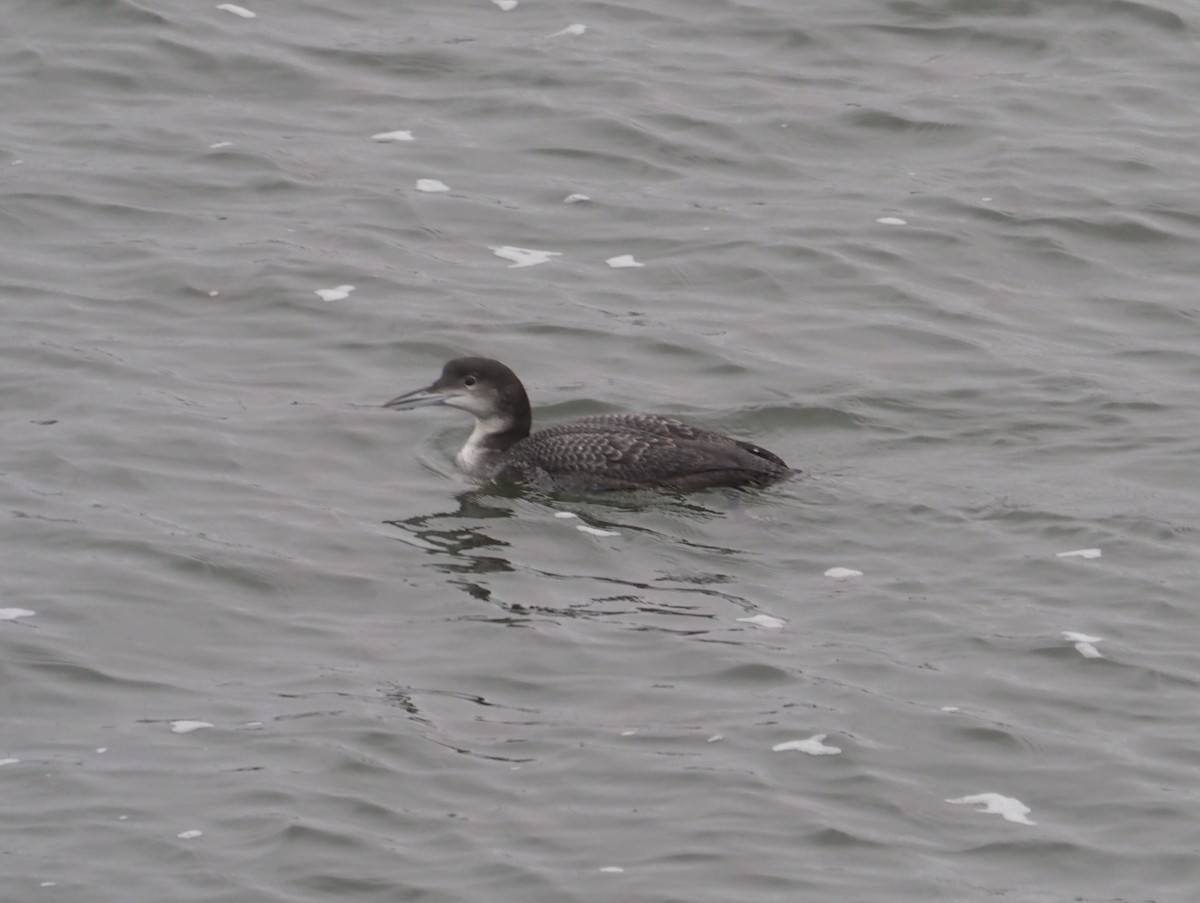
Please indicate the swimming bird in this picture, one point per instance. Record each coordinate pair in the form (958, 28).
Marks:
(598, 453)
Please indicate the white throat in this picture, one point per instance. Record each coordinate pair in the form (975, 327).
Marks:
(473, 456)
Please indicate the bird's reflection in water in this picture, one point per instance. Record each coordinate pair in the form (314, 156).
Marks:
(461, 542)
(456, 711)
(458, 534)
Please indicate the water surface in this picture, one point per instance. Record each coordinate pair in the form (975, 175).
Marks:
(940, 256)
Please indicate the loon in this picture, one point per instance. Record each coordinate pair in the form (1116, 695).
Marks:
(598, 453)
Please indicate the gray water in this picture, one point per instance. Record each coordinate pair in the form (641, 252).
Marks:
(941, 256)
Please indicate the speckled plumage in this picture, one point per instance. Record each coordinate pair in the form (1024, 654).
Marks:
(634, 451)
(598, 453)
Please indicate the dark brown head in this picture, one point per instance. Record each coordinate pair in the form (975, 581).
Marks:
(480, 385)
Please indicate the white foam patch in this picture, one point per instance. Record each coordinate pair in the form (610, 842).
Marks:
(765, 621)
(48, 884)
(628, 733)
(595, 531)
(1084, 644)
(1007, 807)
(813, 746)
(950, 708)
(187, 727)
(237, 10)
(9, 761)
(714, 738)
(11, 614)
(623, 262)
(337, 293)
(523, 257)
(576, 29)
(891, 221)
(506, 5)
(431, 185)
(101, 750)
(188, 835)
(213, 293)
(220, 144)
(985, 200)
(614, 869)
(402, 135)
(575, 198)
(842, 573)
(1079, 553)
(566, 515)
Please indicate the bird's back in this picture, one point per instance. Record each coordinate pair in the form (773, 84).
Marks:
(638, 451)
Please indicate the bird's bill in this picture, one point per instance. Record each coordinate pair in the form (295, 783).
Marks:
(418, 398)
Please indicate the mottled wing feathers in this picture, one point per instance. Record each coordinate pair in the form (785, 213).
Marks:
(653, 424)
(634, 451)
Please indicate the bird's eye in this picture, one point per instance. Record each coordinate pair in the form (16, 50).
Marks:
(469, 381)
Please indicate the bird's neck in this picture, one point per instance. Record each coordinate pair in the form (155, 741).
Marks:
(492, 437)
